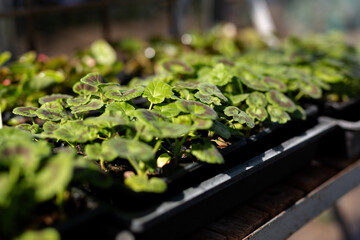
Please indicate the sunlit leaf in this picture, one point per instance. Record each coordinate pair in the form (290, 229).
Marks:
(25, 111)
(147, 116)
(157, 91)
(124, 95)
(254, 83)
(128, 148)
(310, 89)
(94, 104)
(53, 97)
(220, 75)
(123, 108)
(196, 108)
(141, 183)
(46, 78)
(177, 66)
(105, 121)
(257, 112)
(93, 79)
(280, 100)
(239, 116)
(80, 100)
(207, 99)
(169, 110)
(103, 52)
(4, 57)
(207, 152)
(256, 99)
(76, 131)
(277, 114)
(54, 176)
(189, 84)
(200, 123)
(163, 159)
(168, 129)
(237, 99)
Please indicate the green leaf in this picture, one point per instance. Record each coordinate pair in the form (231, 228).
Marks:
(280, 100)
(53, 97)
(169, 110)
(123, 108)
(310, 89)
(54, 176)
(25, 111)
(198, 109)
(221, 130)
(237, 99)
(50, 127)
(167, 129)
(99, 151)
(277, 114)
(199, 123)
(93, 79)
(44, 234)
(220, 75)
(328, 75)
(188, 84)
(157, 91)
(239, 116)
(76, 131)
(94, 104)
(147, 116)
(32, 128)
(254, 83)
(127, 148)
(272, 83)
(52, 111)
(257, 113)
(46, 78)
(256, 99)
(207, 99)
(177, 66)
(105, 121)
(162, 160)
(141, 183)
(84, 89)
(4, 57)
(103, 53)
(80, 100)
(211, 89)
(124, 95)
(207, 152)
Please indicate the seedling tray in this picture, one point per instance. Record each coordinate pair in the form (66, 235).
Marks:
(181, 213)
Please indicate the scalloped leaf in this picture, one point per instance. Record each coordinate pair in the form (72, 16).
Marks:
(237, 99)
(80, 100)
(50, 127)
(188, 84)
(53, 98)
(84, 89)
(259, 113)
(272, 83)
(93, 79)
(221, 130)
(280, 100)
(147, 116)
(128, 148)
(54, 176)
(256, 99)
(178, 67)
(76, 131)
(200, 123)
(254, 83)
(94, 104)
(125, 95)
(167, 129)
(277, 115)
(211, 89)
(310, 89)
(99, 151)
(50, 114)
(207, 152)
(103, 52)
(157, 91)
(123, 108)
(141, 183)
(105, 121)
(220, 75)
(32, 128)
(207, 99)
(25, 111)
(169, 110)
(239, 116)
(198, 109)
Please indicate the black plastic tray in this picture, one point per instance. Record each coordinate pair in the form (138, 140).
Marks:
(195, 206)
